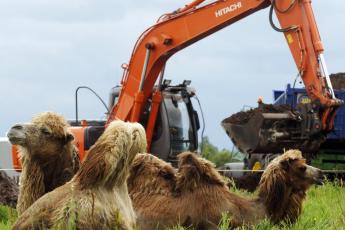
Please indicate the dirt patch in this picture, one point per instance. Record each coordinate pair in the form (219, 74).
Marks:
(8, 190)
(243, 117)
(338, 80)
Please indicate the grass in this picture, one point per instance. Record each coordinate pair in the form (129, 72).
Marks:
(7, 217)
(324, 209)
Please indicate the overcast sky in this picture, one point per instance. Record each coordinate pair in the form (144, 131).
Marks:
(50, 47)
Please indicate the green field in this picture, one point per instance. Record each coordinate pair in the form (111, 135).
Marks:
(323, 209)
(7, 217)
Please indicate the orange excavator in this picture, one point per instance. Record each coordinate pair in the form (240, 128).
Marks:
(144, 96)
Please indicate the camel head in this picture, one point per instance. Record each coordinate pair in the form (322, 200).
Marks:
(194, 170)
(295, 172)
(150, 173)
(302, 175)
(284, 183)
(43, 137)
(108, 160)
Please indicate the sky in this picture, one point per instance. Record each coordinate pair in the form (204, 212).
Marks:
(49, 48)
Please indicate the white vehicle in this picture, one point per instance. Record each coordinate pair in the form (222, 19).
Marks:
(6, 157)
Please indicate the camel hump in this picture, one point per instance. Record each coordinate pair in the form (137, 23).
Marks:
(194, 170)
(148, 169)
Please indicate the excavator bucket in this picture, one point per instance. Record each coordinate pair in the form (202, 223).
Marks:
(271, 129)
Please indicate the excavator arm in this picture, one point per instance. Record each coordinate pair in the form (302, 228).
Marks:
(300, 29)
(193, 22)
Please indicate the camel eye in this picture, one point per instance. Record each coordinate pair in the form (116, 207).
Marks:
(303, 168)
(45, 131)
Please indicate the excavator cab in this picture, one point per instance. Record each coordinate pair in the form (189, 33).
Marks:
(176, 126)
(177, 123)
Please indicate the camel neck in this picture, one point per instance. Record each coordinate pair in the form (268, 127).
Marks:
(281, 203)
(31, 185)
(57, 169)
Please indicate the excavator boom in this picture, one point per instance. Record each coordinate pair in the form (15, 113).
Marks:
(158, 43)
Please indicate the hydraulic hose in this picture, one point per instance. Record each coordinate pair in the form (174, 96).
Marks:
(273, 6)
(203, 123)
(284, 10)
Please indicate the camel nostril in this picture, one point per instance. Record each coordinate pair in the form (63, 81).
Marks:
(319, 177)
(16, 134)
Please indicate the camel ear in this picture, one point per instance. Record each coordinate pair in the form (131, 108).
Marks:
(285, 164)
(69, 138)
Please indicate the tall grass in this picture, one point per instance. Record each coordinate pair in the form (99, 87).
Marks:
(324, 209)
(7, 217)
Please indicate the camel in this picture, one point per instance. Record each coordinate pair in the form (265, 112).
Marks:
(196, 195)
(160, 194)
(47, 154)
(97, 196)
(8, 190)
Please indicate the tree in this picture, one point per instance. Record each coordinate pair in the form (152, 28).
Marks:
(219, 157)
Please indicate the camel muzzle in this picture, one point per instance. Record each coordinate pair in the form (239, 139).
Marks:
(319, 178)
(16, 135)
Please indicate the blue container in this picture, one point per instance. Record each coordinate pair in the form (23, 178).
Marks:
(294, 96)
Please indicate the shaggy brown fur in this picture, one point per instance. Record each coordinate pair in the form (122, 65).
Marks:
(163, 197)
(8, 190)
(151, 187)
(197, 196)
(48, 156)
(283, 186)
(97, 196)
(146, 165)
